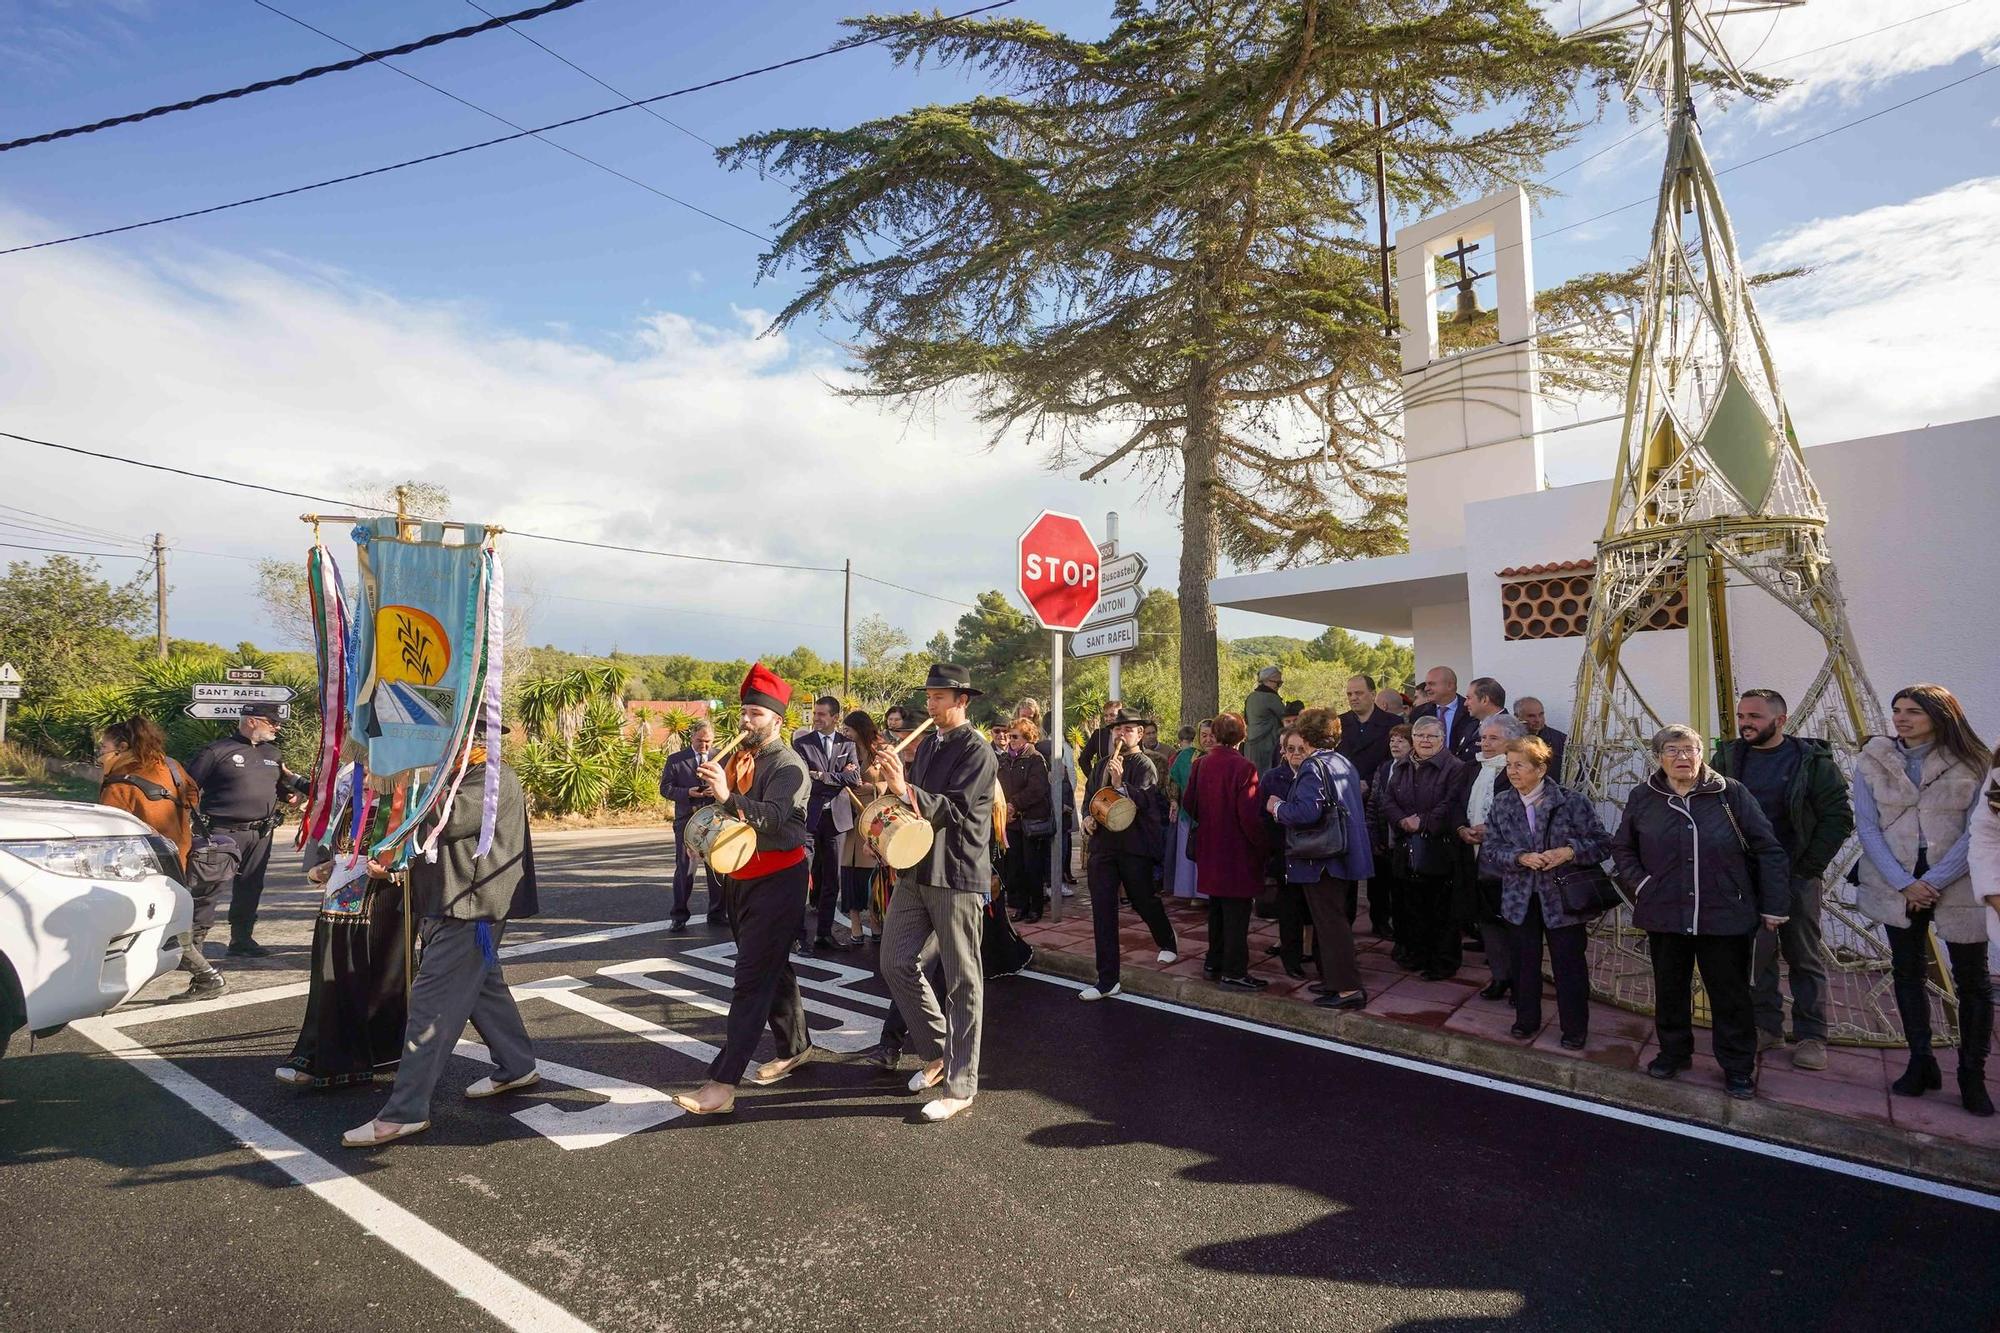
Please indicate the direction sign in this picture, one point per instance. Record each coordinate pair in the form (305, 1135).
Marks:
(1056, 570)
(8, 675)
(1116, 605)
(243, 694)
(226, 711)
(1115, 636)
(1123, 572)
(10, 691)
(244, 675)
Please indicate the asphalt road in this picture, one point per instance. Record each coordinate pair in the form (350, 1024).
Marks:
(1126, 1167)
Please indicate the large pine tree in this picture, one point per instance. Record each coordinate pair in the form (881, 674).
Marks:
(1157, 248)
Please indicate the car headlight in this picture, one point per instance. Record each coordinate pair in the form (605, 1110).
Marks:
(126, 858)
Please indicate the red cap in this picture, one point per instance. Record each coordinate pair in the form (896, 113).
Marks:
(764, 688)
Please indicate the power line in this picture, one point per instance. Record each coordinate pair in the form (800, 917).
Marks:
(915, 591)
(66, 550)
(338, 503)
(495, 115)
(835, 49)
(264, 85)
(619, 92)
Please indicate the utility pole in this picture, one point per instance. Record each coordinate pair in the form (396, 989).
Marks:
(160, 594)
(846, 632)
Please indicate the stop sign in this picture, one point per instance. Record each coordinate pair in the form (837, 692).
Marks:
(1057, 570)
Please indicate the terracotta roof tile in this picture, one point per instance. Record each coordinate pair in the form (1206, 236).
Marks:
(1553, 567)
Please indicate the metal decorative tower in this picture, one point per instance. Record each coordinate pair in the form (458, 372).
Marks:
(1714, 521)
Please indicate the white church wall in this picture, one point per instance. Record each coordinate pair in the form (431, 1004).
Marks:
(1442, 636)
(1914, 534)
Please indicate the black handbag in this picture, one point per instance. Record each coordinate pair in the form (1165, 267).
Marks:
(1585, 889)
(1429, 857)
(1324, 840)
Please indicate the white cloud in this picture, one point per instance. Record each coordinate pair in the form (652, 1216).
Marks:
(684, 436)
(1895, 326)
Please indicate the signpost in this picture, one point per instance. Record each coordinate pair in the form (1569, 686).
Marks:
(227, 710)
(10, 690)
(215, 701)
(1118, 599)
(243, 694)
(1057, 572)
(1113, 637)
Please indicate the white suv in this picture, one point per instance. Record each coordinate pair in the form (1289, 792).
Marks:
(90, 911)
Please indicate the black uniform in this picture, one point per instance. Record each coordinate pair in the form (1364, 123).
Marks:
(240, 786)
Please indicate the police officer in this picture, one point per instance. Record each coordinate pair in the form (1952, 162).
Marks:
(242, 780)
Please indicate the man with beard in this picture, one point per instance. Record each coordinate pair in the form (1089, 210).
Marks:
(765, 786)
(1802, 791)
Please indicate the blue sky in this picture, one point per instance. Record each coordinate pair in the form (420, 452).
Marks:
(571, 353)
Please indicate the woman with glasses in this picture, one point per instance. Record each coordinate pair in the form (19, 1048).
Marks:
(1703, 869)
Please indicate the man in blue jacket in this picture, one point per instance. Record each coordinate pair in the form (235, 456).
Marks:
(679, 784)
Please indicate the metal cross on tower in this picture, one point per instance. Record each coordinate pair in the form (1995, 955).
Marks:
(1713, 516)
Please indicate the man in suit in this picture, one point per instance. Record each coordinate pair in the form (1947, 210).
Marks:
(1485, 699)
(1535, 719)
(834, 768)
(1443, 702)
(679, 784)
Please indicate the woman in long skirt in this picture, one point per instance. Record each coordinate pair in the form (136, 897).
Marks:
(357, 1004)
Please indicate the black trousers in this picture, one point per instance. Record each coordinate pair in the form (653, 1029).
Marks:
(1025, 872)
(247, 889)
(1724, 961)
(1106, 873)
(1293, 917)
(685, 863)
(1229, 935)
(1909, 964)
(1382, 898)
(764, 919)
(1567, 959)
(823, 854)
(1426, 926)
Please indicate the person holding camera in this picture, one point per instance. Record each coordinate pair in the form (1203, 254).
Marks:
(242, 781)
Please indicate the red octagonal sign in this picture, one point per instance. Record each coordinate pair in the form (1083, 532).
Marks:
(1057, 570)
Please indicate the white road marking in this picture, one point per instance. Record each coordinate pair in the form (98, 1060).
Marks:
(1703, 1133)
(857, 1032)
(628, 1108)
(506, 1298)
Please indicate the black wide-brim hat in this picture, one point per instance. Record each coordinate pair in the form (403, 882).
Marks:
(1127, 718)
(948, 676)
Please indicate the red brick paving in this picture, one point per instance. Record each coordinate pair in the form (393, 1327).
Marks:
(1854, 1085)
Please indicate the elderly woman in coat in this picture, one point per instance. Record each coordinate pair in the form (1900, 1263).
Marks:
(1222, 799)
(1701, 864)
(1327, 791)
(1535, 827)
(1421, 801)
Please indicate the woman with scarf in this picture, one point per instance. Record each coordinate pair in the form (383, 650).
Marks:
(1535, 827)
(1494, 734)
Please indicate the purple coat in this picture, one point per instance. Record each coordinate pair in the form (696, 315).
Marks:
(1230, 847)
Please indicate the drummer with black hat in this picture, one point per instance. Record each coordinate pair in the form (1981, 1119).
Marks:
(1126, 857)
(938, 911)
